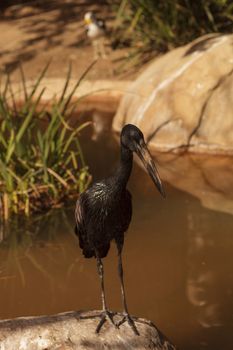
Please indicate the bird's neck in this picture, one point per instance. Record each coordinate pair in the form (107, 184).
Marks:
(124, 168)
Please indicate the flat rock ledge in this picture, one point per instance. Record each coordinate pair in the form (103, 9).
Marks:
(76, 330)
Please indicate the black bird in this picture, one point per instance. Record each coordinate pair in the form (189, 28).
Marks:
(103, 213)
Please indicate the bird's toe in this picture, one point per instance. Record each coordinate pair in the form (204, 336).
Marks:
(127, 318)
(106, 315)
(110, 316)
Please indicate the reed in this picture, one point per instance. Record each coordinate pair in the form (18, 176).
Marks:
(41, 160)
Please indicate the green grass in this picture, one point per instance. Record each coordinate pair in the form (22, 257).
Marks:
(154, 26)
(41, 161)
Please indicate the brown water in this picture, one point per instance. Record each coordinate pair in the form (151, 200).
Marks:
(178, 259)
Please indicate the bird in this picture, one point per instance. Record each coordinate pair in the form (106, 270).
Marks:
(104, 211)
(96, 32)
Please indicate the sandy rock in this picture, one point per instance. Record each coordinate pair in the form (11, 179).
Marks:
(185, 98)
(76, 330)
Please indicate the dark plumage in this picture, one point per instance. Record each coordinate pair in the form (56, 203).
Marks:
(106, 220)
(103, 212)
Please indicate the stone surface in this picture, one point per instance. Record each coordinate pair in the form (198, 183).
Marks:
(185, 98)
(76, 330)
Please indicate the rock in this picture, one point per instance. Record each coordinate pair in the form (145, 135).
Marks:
(76, 330)
(185, 98)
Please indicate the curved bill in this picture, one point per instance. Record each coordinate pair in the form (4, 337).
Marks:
(145, 156)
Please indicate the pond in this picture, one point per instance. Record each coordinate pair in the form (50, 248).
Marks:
(177, 261)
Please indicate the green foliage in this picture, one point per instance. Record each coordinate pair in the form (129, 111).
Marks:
(41, 161)
(155, 25)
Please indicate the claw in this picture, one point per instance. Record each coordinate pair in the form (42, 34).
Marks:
(130, 322)
(104, 316)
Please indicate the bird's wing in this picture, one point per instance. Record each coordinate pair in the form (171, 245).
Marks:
(80, 229)
(78, 213)
(89, 204)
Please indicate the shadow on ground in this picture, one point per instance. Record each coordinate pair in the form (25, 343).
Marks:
(35, 32)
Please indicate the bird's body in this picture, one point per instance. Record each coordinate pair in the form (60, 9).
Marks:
(103, 212)
(108, 221)
(96, 32)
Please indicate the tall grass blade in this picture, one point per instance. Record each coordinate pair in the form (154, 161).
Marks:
(39, 150)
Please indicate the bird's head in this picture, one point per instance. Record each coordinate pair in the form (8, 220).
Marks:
(89, 17)
(132, 138)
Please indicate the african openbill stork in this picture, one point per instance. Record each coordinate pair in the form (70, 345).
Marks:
(103, 213)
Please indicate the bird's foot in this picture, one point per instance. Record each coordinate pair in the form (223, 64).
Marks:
(106, 315)
(127, 318)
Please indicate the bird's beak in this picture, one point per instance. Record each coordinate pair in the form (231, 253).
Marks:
(87, 20)
(145, 156)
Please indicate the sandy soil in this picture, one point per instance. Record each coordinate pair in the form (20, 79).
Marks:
(34, 34)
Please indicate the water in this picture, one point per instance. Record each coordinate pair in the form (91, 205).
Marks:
(177, 260)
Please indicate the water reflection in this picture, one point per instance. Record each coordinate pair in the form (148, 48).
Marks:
(2, 230)
(208, 178)
(209, 285)
(24, 237)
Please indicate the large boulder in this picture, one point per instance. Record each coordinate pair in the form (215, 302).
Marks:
(185, 98)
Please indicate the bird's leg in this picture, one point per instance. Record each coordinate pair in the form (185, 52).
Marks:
(105, 312)
(126, 317)
(102, 48)
(96, 49)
